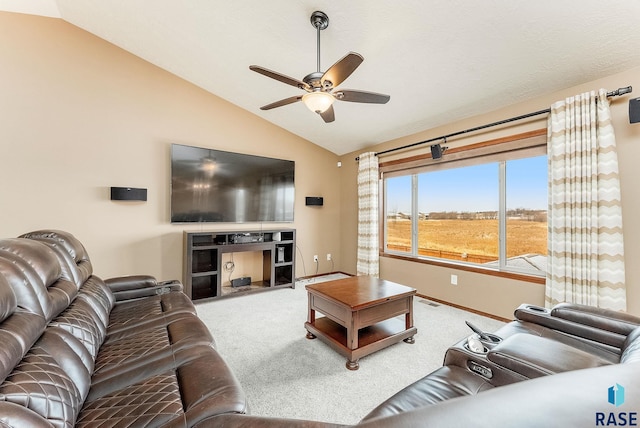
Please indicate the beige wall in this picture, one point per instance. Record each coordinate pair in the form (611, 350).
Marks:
(491, 294)
(78, 115)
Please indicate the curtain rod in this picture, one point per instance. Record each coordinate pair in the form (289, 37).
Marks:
(617, 92)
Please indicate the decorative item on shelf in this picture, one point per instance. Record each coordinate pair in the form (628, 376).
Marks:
(128, 194)
(314, 200)
(243, 281)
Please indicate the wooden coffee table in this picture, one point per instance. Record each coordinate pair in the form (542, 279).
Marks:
(360, 315)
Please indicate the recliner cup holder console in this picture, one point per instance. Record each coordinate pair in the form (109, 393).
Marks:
(481, 338)
(474, 345)
(466, 346)
(493, 340)
(481, 345)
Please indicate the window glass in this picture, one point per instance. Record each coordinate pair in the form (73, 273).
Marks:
(398, 213)
(526, 215)
(458, 213)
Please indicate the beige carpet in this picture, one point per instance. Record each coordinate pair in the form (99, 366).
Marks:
(262, 338)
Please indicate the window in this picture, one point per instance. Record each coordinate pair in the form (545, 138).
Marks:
(398, 213)
(526, 214)
(491, 211)
(459, 213)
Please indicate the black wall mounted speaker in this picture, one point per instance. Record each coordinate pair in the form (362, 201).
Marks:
(314, 200)
(128, 194)
(436, 151)
(634, 110)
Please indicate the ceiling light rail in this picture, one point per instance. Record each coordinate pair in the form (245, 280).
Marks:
(616, 93)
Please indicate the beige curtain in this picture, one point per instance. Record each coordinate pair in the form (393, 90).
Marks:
(586, 255)
(368, 257)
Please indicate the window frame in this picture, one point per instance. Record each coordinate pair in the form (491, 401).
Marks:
(528, 144)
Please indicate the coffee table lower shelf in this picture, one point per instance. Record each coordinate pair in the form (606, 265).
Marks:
(370, 339)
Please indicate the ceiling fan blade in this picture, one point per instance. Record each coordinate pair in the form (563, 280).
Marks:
(361, 97)
(279, 77)
(328, 115)
(281, 103)
(342, 69)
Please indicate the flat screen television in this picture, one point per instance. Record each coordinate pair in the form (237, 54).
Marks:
(210, 185)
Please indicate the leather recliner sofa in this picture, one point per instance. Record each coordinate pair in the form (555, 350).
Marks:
(562, 363)
(76, 351)
(79, 351)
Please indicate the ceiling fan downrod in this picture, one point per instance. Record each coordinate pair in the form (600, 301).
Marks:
(320, 21)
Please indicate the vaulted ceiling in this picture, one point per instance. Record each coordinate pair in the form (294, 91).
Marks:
(439, 60)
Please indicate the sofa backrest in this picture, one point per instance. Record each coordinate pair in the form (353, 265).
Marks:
(73, 256)
(19, 329)
(631, 347)
(50, 331)
(33, 272)
(43, 366)
(74, 261)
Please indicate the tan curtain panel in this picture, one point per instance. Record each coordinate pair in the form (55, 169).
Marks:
(368, 185)
(586, 254)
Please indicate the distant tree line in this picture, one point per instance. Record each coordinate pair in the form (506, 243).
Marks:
(528, 214)
(518, 213)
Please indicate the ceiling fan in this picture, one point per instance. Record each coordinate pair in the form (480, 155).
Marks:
(321, 87)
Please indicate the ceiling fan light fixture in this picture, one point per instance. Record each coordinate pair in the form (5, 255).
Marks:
(321, 87)
(318, 102)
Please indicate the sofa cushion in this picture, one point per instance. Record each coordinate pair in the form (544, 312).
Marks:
(19, 329)
(191, 385)
(80, 320)
(137, 348)
(151, 402)
(53, 378)
(533, 356)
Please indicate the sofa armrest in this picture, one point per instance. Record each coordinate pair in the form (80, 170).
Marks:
(598, 325)
(534, 356)
(234, 420)
(572, 399)
(605, 319)
(137, 286)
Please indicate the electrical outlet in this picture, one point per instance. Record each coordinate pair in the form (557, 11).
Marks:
(454, 279)
(315, 258)
(329, 257)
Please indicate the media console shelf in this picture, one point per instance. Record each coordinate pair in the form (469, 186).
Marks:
(203, 269)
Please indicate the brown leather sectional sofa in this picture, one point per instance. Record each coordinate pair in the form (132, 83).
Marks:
(79, 351)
